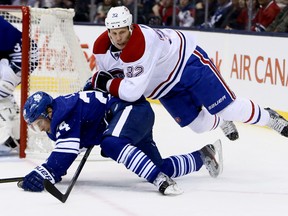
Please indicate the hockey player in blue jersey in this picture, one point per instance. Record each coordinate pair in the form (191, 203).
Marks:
(10, 77)
(122, 129)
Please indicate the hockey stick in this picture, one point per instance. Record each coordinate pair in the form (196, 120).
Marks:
(8, 180)
(55, 192)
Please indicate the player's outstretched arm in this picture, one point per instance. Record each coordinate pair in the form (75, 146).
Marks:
(34, 181)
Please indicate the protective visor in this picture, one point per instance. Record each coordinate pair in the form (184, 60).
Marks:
(37, 125)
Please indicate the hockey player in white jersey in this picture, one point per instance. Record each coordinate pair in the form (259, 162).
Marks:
(124, 132)
(10, 78)
(168, 65)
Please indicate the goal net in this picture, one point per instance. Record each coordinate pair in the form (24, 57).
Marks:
(62, 67)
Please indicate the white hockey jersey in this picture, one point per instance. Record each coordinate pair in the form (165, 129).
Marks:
(152, 61)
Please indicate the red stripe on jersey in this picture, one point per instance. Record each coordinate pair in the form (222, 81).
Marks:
(114, 86)
(102, 43)
(135, 47)
(215, 70)
(174, 69)
(252, 113)
(216, 122)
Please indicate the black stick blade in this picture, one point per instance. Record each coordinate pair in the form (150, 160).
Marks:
(54, 191)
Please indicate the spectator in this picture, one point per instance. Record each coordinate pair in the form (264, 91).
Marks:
(102, 10)
(131, 6)
(82, 10)
(200, 11)
(166, 12)
(186, 14)
(5, 2)
(223, 8)
(243, 18)
(234, 20)
(281, 3)
(280, 24)
(31, 3)
(63, 4)
(147, 8)
(45, 3)
(156, 8)
(155, 18)
(265, 16)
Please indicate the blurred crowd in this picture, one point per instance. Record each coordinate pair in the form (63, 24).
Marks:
(251, 15)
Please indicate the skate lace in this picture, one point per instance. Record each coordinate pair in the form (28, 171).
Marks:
(166, 185)
(277, 123)
(228, 127)
(211, 166)
(160, 179)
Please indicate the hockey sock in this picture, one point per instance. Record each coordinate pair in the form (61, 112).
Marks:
(180, 165)
(133, 158)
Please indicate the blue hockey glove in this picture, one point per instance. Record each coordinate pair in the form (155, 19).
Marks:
(100, 79)
(34, 180)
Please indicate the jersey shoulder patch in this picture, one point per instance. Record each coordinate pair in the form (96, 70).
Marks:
(135, 47)
(102, 43)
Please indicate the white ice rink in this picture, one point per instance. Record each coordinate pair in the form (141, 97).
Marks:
(254, 181)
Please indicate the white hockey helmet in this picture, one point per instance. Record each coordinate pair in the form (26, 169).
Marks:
(118, 17)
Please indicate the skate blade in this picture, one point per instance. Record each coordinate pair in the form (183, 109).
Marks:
(219, 154)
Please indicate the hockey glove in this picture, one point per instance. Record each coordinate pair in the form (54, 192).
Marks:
(100, 79)
(88, 85)
(34, 180)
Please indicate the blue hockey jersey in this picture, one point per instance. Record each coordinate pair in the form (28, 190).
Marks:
(77, 122)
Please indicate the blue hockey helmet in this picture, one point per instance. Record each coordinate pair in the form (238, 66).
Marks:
(36, 106)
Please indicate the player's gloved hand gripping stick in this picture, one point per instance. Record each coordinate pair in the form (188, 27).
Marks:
(55, 192)
(48, 185)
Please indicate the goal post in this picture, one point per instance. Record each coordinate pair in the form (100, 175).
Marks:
(62, 67)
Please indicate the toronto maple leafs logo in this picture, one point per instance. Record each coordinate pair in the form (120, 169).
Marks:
(37, 97)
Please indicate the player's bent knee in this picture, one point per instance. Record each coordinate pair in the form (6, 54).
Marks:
(112, 146)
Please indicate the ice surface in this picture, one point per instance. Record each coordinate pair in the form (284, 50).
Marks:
(254, 181)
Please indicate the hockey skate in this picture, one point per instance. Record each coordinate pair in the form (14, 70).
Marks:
(212, 157)
(166, 185)
(230, 130)
(9, 146)
(277, 122)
